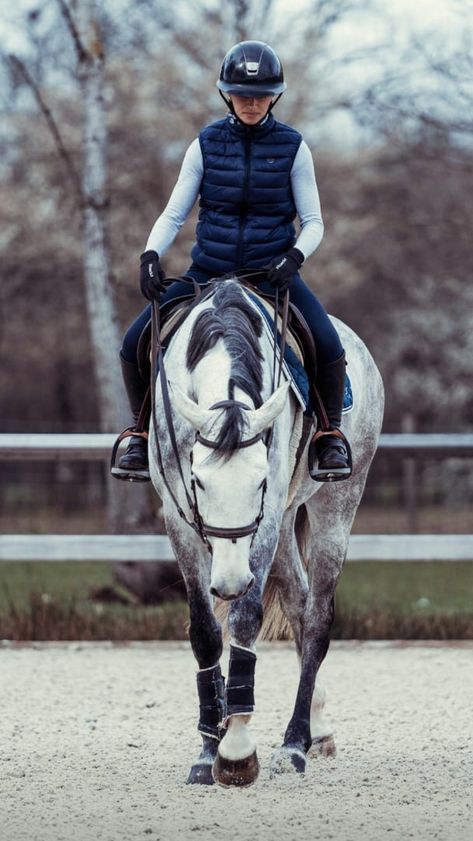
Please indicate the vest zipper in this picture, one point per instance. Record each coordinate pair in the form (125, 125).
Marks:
(244, 204)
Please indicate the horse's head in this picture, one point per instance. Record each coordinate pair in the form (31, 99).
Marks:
(229, 482)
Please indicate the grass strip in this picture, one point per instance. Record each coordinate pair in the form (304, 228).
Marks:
(50, 601)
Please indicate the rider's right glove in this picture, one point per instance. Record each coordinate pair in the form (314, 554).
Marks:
(151, 275)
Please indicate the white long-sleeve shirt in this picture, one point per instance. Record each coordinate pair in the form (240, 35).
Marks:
(186, 191)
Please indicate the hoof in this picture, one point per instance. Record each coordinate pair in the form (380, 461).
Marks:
(287, 761)
(201, 774)
(236, 772)
(324, 746)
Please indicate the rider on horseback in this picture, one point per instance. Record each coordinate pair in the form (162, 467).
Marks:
(253, 175)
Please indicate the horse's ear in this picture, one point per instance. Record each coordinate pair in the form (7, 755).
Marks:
(263, 417)
(189, 409)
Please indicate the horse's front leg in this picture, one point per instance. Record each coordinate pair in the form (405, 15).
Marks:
(236, 763)
(330, 521)
(291, 576)
(328, 556)
(206, 640)
(316, 637)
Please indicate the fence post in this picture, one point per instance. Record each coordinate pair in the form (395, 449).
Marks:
(409, 472)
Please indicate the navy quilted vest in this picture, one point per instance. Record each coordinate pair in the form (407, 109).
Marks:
(247, 208)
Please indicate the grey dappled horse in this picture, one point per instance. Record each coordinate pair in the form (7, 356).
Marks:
(255, 516)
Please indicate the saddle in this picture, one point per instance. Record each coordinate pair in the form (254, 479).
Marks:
(288, 327)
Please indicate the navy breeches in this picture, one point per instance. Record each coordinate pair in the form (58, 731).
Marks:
(326, 338)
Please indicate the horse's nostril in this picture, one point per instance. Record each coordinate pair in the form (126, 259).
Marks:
(228, 597)
(225, 597)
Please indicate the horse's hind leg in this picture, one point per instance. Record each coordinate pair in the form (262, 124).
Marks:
(323, 742)
(289, 577)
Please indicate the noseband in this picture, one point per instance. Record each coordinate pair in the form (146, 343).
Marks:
(217, 531)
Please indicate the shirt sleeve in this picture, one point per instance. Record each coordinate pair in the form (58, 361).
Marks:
(306, 197)
(181, 202)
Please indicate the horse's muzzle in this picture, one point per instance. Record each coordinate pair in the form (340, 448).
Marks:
(227, 592)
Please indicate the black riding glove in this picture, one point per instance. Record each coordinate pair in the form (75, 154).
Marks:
(282, 269)
(151, 275)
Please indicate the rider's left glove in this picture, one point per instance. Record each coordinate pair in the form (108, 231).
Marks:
(151, 275)
(281, 270)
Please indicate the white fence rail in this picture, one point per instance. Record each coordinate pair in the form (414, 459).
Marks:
(112, 547)
(70, 447)
(98, 446)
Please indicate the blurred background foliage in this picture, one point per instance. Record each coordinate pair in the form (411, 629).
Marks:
(385, 116)
(384, 100)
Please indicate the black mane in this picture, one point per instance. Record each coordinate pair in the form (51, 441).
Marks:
(235, 321)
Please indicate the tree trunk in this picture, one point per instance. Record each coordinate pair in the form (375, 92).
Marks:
(100, 304)
(102, 316)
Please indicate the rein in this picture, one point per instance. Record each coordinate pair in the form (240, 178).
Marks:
(204, 530)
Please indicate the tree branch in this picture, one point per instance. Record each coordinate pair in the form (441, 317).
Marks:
(82, 54)
(21, 68)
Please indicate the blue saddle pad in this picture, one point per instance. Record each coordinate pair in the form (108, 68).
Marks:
(347, 396)
(298, 372)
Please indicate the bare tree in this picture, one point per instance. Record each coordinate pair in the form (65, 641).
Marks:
(396, 257)
(90, 188)
(85, 31)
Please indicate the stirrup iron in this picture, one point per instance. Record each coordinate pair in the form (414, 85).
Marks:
(128, 475)
(335, 474)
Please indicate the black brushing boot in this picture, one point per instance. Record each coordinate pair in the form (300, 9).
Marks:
(211, 691)
(329, 450)
(133, 465)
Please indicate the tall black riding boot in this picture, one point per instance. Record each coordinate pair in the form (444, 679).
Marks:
(329, 450)
(133, 465)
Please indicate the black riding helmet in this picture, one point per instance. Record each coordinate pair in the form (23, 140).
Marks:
(251, 68)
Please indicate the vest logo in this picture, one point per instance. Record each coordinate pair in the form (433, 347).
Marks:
(270, 160)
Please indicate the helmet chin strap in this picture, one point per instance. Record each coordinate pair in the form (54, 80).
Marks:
(274, 102)
(228, 102)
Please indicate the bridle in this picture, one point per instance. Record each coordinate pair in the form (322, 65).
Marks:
(196, 522)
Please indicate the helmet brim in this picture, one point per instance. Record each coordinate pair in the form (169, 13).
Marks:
(250, 90)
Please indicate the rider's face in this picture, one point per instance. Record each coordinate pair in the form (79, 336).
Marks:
(250, 109)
